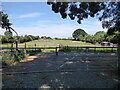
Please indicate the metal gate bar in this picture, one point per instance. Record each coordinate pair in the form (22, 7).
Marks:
(48, 71)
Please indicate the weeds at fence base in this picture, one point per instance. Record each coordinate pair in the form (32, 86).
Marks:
(9, 62)
(99, 50)
(16, 56)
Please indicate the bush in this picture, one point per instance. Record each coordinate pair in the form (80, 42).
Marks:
(21, 39)
(18, 55)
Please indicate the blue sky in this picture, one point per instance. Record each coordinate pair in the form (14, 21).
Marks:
(37, 18)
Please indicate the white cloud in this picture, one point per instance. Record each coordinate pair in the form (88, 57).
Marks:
(2, 31)
(92, 27)
(30, 15)
(58, 29)
(62, 31)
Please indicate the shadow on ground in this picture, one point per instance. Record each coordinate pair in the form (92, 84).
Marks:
(67, 70)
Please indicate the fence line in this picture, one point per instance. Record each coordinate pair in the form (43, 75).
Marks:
(56, 48)
(52, 47)
(12, 50)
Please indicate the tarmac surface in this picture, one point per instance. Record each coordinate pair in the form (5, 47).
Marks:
(67, 70)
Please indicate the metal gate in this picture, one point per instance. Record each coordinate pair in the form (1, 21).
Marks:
(85, 59)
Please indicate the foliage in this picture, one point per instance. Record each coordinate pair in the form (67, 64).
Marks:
(21, 39)
(99, 36)
(79, 32)
(90, 38)
(81, 35)
(18, 55)
(114, 34)
(100, 50)
(81, 38)
(100, 33)
(70, 38)
(80, 10)
(8, 33)
(5, 23)
(107, 12)
(45, 37)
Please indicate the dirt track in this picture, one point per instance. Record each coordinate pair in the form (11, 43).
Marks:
(67, 70)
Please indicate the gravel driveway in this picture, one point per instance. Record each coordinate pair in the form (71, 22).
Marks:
(67, 70)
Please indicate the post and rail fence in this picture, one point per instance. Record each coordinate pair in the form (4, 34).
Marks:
(20, 52)
(86, 49)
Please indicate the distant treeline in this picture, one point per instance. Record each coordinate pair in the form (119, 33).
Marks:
(100, 36)
(8, 38)
(20, 39)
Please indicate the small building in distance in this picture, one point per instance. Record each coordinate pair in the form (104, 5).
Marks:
(105, 43)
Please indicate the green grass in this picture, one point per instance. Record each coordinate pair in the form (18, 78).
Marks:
(102, 50)
(51, 43)
(17, 55)
(54, 43)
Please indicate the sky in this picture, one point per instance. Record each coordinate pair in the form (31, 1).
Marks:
(37, 18)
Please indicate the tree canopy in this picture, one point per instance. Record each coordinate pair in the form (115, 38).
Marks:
(79, 32)
(5, 23)
(100, 33)
(107, 12)
(99, 36)
(80, 10)
(8, 33)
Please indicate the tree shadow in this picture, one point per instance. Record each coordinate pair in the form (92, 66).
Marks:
(69, 70)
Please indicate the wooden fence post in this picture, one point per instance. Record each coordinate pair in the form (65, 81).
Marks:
(11, 48)
(112, 49)
(77, 48)
(94, 49)
(16, 43)
(24, 51)
(56, 51)
(87, 50)
(25, 45)
(35, 46)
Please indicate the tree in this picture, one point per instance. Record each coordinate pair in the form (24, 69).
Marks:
(81, 38)
(90, 39)
(8, 36)
(8, 33)
(80, 10)
(4, 39)
(115, 33)
(5, 23)
(70, 38)
(79, 32)
(99, 36)
(100, 33)
(107, 12)
(112, 38)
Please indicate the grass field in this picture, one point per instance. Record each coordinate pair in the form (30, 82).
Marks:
(55, 43)
(51, 43)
